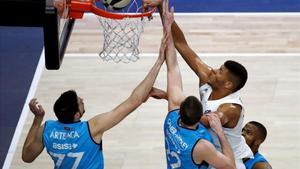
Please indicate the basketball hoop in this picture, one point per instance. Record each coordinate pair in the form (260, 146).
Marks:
(121, 29)
(121, 39)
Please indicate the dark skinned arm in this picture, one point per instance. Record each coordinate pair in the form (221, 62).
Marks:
(228, 113)
(262, 165)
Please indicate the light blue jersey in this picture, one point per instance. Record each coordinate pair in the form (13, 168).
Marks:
(252, 161)
(180, 143)
(71, 146)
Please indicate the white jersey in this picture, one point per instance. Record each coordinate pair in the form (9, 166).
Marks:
(234, 135)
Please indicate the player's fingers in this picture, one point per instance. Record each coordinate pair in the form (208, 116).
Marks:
(32, 105)
(172, 11)
(213, 115)
(41, 109)
(32, 101)
(165, 6)
(208, 117)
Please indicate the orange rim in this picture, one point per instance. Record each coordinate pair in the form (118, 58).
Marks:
(78, 7)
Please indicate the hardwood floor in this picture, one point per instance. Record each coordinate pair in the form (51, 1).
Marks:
(271, 95)
(236, 33)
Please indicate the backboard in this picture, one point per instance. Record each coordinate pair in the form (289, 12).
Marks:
(57, 17)
(49, 14)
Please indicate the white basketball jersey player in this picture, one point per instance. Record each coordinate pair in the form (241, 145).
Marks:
(234, 136)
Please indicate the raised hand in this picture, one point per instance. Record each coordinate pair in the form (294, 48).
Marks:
(168, 16)
(151, 3)
(36, 109)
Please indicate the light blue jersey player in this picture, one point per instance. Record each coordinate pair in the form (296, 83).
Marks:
(71, 143)
(258, 158)
(72, 146)
(180, 142)
(255, 134)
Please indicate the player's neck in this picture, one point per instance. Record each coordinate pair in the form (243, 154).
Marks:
(254, 149)
(76, 120)
(219, 93)
(193, 127)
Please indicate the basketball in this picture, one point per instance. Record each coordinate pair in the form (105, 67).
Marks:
(116, 4)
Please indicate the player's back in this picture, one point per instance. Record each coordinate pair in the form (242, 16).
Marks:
(72, 146)
(180, 142)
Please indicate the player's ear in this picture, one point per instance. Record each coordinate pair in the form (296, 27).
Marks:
(229, 85)
(77, 115)
(257, 142)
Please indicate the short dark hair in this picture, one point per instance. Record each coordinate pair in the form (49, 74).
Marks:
(239, 71)
(66, 106)
(261, 129)
(190, 111)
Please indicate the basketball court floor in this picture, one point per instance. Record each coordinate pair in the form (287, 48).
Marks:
(268, 44)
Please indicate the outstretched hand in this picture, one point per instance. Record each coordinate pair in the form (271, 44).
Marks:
(36, 109)
(149, 4)
(168, 16)
(214, 122)
(158, 93)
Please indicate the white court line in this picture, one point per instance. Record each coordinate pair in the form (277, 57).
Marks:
(25, 110)
(92, 55)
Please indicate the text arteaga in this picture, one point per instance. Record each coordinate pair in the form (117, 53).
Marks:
(60, 136)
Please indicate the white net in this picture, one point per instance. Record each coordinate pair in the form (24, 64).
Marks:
(122, 36)
(121, 39)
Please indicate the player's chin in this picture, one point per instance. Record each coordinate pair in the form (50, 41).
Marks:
(211, 80)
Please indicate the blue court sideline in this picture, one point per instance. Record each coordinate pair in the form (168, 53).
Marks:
(20, 49)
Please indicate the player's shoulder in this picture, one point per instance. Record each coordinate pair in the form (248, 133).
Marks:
(49, 122)
(262, 165)
(232, 112)
(204, 146)
(202, 150)
(230, 107)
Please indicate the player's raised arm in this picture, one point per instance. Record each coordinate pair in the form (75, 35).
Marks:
(192, 59)
(105, 121)
(174, 87)
(33, 144)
